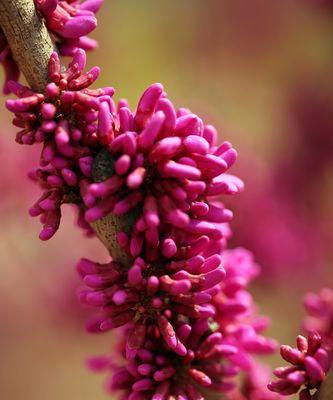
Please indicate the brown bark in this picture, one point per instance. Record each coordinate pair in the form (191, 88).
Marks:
(28, 39)
(326, 390)
(32, 46)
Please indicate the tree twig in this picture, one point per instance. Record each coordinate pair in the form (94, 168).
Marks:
(28, 39)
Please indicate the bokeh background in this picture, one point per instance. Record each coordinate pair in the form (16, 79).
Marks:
(261, 72)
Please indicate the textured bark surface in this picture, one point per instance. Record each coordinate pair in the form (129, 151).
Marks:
(326, 390)
(28, 38)
(32, 46)
(106, 230)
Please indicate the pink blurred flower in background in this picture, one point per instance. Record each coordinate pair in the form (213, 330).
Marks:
(286, 211)
(312, 359)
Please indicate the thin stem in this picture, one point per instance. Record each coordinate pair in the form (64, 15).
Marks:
(32, 46)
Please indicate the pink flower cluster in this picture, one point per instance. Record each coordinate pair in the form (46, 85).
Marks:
(162, 162)
(68, 148)
(201, 324)
(175, 301)
(310, 362)
(69, 21)
(312, 358)
(236, 311)
(153, 371)
(320, 314)
(187, 320)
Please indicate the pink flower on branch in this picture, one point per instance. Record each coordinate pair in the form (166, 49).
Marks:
(312, 359)
(68, 21)
(68, 148)
(154, 372)
(164, 164)
(310, 362)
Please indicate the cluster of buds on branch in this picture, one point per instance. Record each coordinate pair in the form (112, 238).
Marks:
(178, 296)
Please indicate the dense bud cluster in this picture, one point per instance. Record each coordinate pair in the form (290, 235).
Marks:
(189, 322)
(155, 372)
(69, 21)
(162, 166)
(182, 314)
(310, 362)
(188, 325)
(161, 162)
(319, 308)
(312, 358)
(63, 120)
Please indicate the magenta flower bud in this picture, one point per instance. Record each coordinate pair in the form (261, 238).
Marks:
(196, 144)
(230, 157)
(117, 321)
(48, 110)
(175, 286)
(172, 169)
(70, 177)
(164, 374)
(323, 358)
(147, 104)
(105, 188)
(93, 326)
(142, 385)
(314, 369)
(136, 178)
(47, 7)
(189, 124)
(126, 143)
(104, 122)
(123, 206)
(122, 165)
(78, 26)
(91, 5)
(153, 284)
(168, 110)
(85, 164)
(151, 131)
(98, 364)
(169, 248)
(200, 377)
(169, 335)
(119, 297)
(135, 275)
(126, 120)
(166, 148)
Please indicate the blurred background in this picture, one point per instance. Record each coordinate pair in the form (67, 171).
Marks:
(261, 72)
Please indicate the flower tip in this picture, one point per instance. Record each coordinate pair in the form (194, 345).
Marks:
(97, 363)
(78, 26)
(47, 233)
(91, 5)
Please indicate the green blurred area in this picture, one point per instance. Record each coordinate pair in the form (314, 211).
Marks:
(230, 61)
